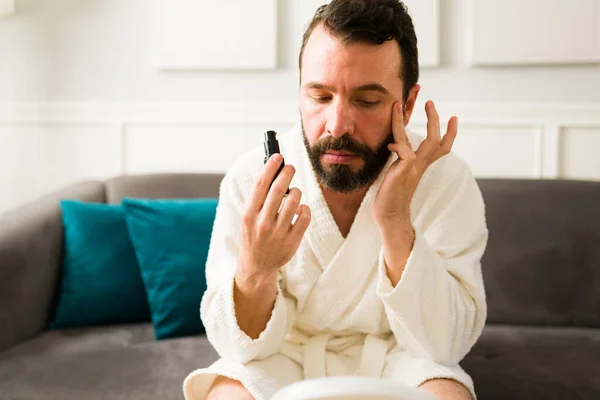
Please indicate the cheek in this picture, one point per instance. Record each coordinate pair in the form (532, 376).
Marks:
(313, 121)
(374, 127)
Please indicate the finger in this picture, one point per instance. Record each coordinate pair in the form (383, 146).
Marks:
(432, 142)
(448, 139)
(261, 185)
(290, 206)
(278, 191)
(398, 129)
(304, 216)
(451, 133)
(433, 121)
(404, 152)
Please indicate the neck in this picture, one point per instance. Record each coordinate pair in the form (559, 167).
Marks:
(344, 206)
(352, 197)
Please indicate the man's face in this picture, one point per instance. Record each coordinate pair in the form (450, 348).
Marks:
(346, 98)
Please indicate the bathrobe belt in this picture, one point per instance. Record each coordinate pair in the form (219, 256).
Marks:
(371, 363)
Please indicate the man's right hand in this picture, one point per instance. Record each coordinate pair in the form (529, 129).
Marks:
(269, 239)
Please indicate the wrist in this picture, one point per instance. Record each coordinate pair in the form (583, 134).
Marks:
(399, 241)
(254, 296)
(398, 244)
(252, 280)
(396, 234)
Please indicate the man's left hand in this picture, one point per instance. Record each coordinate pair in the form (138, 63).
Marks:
(392, 205)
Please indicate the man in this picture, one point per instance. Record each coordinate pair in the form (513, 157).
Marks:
(378, 272)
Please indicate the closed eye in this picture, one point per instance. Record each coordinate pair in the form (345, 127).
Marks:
(321, 99)
(367, 103)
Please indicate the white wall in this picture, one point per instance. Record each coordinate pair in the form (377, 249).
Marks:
(79, 99)
(97, 50)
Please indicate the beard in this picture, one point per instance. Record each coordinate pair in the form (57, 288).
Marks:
(341, 177)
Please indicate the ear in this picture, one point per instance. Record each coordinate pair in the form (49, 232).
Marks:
(409, 104)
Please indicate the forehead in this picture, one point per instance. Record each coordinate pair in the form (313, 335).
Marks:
(327, 59)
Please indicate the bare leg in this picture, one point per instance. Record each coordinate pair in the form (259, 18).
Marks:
(447, 389)
(228, 389)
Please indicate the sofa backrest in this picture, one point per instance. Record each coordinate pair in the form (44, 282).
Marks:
(542, 262)
(165, 186)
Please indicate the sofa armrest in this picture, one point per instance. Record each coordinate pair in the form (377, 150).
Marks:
(31, 238)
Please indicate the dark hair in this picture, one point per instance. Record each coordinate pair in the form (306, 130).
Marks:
(371, 21)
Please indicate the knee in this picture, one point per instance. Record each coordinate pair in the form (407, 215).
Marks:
(225, 389)
(444, 389)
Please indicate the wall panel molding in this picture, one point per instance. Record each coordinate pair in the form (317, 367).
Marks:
(191, 34)
(544, 140)
(521, 32)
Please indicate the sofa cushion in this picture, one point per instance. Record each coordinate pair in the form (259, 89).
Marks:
(100, 279)
(125, 362)
(530, 363)
(171, 240)
(120, 362)
(541, 265)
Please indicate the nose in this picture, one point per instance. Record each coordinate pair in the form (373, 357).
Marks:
(339, 119)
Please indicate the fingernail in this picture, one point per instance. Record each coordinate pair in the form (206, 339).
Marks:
(399, 107)
(276, 157)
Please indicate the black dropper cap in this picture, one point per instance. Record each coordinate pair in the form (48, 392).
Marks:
(271, 144)
(272, 147)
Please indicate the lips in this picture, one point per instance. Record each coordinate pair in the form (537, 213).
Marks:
(340, 153)
(339, 157)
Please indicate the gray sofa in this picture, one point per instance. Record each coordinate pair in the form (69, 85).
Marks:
(541, 268)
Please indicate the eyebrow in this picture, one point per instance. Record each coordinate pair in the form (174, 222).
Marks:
(363, 88)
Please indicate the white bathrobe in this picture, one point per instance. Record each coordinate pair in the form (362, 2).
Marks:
(336, 311)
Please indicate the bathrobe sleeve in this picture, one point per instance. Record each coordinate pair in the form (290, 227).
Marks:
(217, 307)
(437, 310)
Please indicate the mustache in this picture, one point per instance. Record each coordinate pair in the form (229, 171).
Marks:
(344, 143)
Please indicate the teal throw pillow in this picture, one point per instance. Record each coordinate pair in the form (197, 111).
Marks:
(171, 240)
(100, 280)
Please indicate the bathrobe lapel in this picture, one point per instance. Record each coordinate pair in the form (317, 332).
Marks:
(347, 264)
